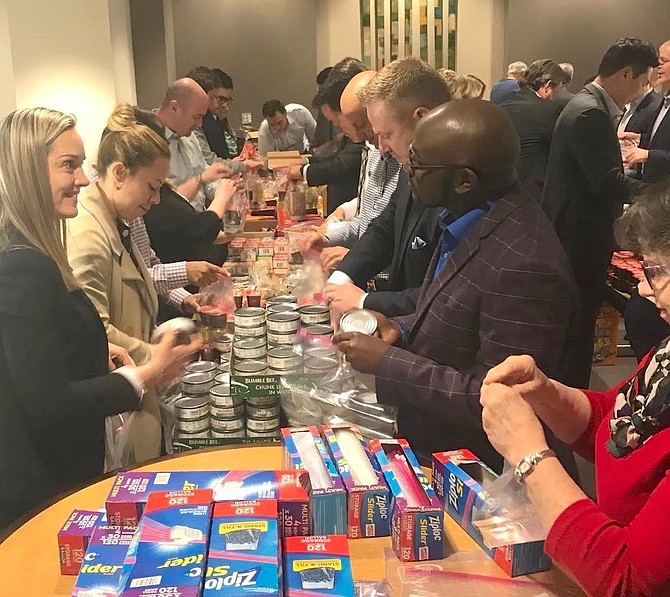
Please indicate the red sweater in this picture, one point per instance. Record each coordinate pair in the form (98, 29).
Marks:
(621, 546)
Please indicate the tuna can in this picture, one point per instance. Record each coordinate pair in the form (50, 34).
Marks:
(222, 342)
(230, 434)
(250, 348)
(222, 379)
(283, 358)
(227, 425)
(269, 434)
(251, 367)
(320, 329)
(282, 308)
(282, 299)
(191, 409)
(195, 384)
(224, 364)
(282, 372)
(201, 367)
(262, 401)
(256, 332)
(320, 365)
(263, 412)
(313, 314)
(220, 395)
(194, 425)
(227, 412)
(249, 317)
(320, 352)
(262, 424)
(359, 320)
(282, 323)
(225, 402)
(281, 339)
(199, 435)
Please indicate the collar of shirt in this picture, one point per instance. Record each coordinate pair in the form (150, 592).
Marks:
(170, 134)
(454, 230)
(612, 108)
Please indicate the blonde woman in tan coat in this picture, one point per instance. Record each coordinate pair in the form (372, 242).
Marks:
(133, 163)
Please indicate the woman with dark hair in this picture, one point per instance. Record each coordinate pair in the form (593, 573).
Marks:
(617, 546)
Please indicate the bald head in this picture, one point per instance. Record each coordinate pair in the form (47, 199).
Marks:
(475, 135)
(354, 121)
(184, 106)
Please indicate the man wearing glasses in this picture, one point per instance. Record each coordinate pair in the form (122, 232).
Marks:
(499, 284)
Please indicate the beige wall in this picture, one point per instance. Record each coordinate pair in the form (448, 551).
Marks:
(268, 47)
(63, 58)
(7, 90)
(338, 31)
(480, 39)
(578, 31)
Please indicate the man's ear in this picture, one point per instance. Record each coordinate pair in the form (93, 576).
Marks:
(420, 112)
(466, 180)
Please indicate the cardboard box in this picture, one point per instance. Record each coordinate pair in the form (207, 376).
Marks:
(368, 506)
(74, 536)
(317, 566)
(168, 554)
(244, 551)
(328, 504)
(279, 159)
(457, 477)
(130, 491)
(417, 531)
(103, 563)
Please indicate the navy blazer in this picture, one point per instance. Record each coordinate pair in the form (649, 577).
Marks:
(506, 290)
(400, 240)
(657, 166)
(55, 391)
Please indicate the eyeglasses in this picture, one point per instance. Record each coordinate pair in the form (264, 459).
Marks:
(655, 272)
(413, 167)
(222, 99)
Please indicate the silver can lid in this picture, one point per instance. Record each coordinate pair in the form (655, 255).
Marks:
(201, 367)
(281, 299)
(283, 308)
(320, 329)
(283, 316)
(320, 363)
(249, 343)
(359, 320)
(250, 366)
(314, 309)
(249, 312)
(195, 379)
(220, 390)
(191, 403)
(283, 352)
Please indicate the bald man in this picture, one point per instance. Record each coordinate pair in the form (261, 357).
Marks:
(498, 284)
(182, 110)
(378, 181)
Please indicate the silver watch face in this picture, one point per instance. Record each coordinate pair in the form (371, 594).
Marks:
(525, 467)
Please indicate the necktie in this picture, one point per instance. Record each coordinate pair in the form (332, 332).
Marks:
(362, 175)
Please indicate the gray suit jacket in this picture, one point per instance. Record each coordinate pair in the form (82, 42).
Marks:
(507, 289)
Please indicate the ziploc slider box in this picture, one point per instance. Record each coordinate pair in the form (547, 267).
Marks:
(291, 489)
(317, 566)
(329, 498)
(417, 519)
(169, 551)
(368, 506)
(457, 478)
(244, 553)
(101, 569)
(73, 539)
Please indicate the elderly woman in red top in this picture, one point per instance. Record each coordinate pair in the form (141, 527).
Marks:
(619, 545)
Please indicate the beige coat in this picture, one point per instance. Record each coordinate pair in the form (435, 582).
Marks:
(124, 297)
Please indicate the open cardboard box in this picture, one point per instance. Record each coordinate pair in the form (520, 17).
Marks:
(277, 159)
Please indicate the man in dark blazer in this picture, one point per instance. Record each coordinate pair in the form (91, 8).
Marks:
(653, 152)
(499, 284)
(220, 136)
(644, 113)
(534, 114)
(586, 187)
(402, 238)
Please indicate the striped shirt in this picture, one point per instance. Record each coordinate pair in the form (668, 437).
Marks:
(381, 179)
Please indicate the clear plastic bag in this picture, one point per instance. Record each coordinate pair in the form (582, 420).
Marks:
(334, 395)
(217, 303)
(235, 212)
(505, 516)
(309, 281)
(372, 588)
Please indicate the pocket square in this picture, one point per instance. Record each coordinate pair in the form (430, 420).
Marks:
(418, 243)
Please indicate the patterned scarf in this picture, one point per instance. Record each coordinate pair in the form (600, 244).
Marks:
(642, 406)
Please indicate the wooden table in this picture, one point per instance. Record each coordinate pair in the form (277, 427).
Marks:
(29, 565)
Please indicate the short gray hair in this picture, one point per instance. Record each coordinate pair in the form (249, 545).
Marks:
(568, 69)
(517, 68)
(644, 227)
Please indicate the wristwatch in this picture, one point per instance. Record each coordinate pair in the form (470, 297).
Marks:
(527, 465)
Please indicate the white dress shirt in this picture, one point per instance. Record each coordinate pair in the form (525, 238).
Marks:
(297, 136)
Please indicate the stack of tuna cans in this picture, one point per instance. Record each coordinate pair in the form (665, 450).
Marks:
(250, 343)
(226, 411)
(192, 410)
